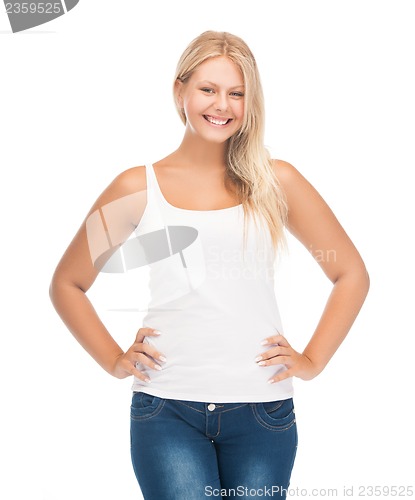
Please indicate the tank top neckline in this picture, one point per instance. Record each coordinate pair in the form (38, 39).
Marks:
(219, 210)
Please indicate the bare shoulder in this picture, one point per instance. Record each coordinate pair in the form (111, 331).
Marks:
(130, 180)
(295, 186)
(281, 165)
(314, 224)
(287, 174)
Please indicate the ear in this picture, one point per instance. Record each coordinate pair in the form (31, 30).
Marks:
(178, 87)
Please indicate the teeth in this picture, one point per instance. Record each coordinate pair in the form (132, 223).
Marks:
(215, 121)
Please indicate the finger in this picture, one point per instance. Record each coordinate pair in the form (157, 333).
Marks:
(278, 360)
(149, 350)
(140, 375)
(282, 376)
(277, 339)
(145, 360)
(274, 351)
(146, 331)
(131, 368)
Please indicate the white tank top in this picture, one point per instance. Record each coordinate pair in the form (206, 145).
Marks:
(212, 304)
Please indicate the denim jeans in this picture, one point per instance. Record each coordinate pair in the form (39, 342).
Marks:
(187, 450)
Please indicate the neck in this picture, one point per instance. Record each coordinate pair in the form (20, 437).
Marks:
(196, 153)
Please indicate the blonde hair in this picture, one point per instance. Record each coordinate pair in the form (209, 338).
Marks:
(248, 162)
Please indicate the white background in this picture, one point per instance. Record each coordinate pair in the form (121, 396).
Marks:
(89, 95)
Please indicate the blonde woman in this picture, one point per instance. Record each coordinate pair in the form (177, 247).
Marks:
(212, 408)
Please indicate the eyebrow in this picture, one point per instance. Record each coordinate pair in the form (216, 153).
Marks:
(215, 85)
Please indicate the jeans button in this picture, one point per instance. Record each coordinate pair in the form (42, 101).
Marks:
(211, 407)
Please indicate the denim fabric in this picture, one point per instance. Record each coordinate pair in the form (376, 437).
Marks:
(187, 450)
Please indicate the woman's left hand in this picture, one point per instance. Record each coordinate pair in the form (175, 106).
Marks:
(281, 353)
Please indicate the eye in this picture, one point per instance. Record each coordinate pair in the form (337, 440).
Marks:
(237, 94)
(207, 90)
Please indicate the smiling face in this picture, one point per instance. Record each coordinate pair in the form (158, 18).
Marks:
(213, 100)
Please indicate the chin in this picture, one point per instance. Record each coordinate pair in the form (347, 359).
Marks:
(215, 136)
(218, 138)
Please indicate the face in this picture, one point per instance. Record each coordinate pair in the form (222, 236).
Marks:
(213, 100)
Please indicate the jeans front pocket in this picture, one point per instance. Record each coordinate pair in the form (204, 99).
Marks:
(145, 406)
(275, 415)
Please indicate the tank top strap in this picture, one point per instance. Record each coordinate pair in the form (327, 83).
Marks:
(151, 181)
(149, 178)
(153, 190)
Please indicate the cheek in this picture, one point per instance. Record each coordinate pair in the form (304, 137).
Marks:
(192, 108)
(239, 109)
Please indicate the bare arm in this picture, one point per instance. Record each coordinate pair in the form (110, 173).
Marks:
(313, 223)
(124, 202)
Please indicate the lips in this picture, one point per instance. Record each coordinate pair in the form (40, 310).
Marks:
(219, 121)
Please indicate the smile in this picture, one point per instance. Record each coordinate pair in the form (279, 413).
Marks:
(221, 122)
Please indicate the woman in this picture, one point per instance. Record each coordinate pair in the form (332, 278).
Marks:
(212, 408)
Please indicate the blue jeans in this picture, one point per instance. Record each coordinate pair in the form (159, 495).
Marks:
(187, 450)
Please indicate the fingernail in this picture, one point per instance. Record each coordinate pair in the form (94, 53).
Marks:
(271, 381)
(158, 367)
(147, 380)
(157, 332)
(264, 342)
(258, 358)
(162, 358)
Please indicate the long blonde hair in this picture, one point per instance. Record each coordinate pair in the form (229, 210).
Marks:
(248, 162)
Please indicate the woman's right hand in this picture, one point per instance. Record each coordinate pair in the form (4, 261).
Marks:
(138, 352)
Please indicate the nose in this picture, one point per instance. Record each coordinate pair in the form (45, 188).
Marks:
(221, 103)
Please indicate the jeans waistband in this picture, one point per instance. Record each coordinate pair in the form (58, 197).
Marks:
(209, 407)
